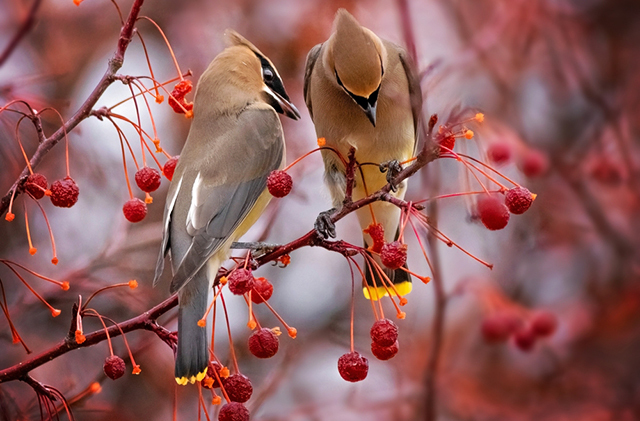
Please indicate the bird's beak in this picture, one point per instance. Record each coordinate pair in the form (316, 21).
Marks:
(370, 112)
(281, 104)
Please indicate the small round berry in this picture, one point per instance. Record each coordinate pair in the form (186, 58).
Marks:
(233, 411)
(214, 366)
(148, 179)
(394, 255)
(384, 332)
(518, 200)
(525, 339)
(279, 183)
(544, 323)
(499, 153)
(36, 184)
(263, 343)
(493, 213)
(497, 327)
(114, 367)
(134, 210)
(238, 387)
(534, 163)
(262, 286)
(384, 353)
(64, 193)
(170, 167)
(240, 281)
(353, 367)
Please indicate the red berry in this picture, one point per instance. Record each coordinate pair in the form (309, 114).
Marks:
(214, 366)
(134, 210)
(446, 143)
(376, 231)
(384, 353)
(263, 343)
(384, 332)
(170, 167)
(525, 339)
(238, 387)
(148, 179)
(518, 200)
(499, 152)
(64, 193)
(497, 327)
(353, 367)
(493, 213)
(279, 183)
(114, 367)
(36, 184)
(544, 323)
(177, 101)
(394, 255)
(262, 286)
(233, 411)
(240, 281)
(534, 163)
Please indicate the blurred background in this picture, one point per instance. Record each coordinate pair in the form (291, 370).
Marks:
(558, 83)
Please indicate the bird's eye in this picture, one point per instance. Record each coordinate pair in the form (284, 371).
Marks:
(267, 74)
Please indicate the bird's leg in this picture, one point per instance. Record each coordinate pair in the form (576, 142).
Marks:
(392, 168)
(324, 225)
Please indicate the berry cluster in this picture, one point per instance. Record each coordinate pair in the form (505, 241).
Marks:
(504, 324)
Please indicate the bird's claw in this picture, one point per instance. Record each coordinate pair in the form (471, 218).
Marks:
(324, 225)
(392, 168)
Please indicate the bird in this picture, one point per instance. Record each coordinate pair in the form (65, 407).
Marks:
(218, 190)
(362, 91)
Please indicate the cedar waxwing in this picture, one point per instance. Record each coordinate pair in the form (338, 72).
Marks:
(219, 185)
(362, 91)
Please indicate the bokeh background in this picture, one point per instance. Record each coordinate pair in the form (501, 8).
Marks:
(558, 83)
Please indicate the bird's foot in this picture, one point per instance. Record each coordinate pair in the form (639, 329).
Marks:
(392, 168)
(324, 225)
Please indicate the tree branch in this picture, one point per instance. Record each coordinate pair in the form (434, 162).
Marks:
(22, 31)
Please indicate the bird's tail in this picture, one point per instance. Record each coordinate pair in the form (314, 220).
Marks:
(377, 287)
(193, 354)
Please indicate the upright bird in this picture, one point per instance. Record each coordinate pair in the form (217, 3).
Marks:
(219, 185)
(362, 91)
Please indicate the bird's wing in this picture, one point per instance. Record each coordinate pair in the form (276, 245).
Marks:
(253, 147)
(312, 57)
(415, 92)
(172, 195)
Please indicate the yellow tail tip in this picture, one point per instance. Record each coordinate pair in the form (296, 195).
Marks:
(182, 381)
(371, 293)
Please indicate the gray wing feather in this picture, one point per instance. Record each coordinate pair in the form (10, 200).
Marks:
(415, 91)
(312, 57)
(172, 195)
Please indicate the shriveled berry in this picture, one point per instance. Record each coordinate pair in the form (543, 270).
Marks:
(499, 152)
(240, 281)
(177, 101)
(353, 367)
(384, 353)
(525, 339)
(114, 367)
(263, 343)
(534, 163)
(261, 291)
(233, 411)
(497, 327)
(384, 332)
(148, 179)
(518, 200)
(279, 183)
(544, 323)
(134, 210)
(170, 167)
(447, 143)
(36, 184)
(64, 193)
(376, 231)
(238, 387)
(394, 255)
(493, 213)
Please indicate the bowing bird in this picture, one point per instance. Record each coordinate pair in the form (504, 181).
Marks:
(362, 92)
(219, 186)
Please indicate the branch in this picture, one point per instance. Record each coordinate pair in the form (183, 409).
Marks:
(22, 31)
(115, 63)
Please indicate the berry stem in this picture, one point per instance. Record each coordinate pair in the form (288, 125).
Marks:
(32, 250)
(103, 325)
(139, 126)
(54, 312)
(15, 336)
(156, 84)
(153, 123)
(20, 143)
(54, 259)
(291, 331)
(233, 351)
(353, 300)
(146, 55)
(175, 61)
(66, 135)
(123, 284)
(489, 167)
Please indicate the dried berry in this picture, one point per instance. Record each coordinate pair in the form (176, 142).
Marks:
(376, 231)
(499, 152)
(264, 288)
(534, 163)
(497, 327)
(384, 332)
(263, 343)
(233, 411)
(493, 213)
(64, 193)
(518, 200)
(384, 353)
(353, 367)
(134, 210)
(36, 184)
(238, 387)
(177, 101)
(114, 367)
(544, 323)
(525, 339)
(394, 255)
(240, 281)
(147, 179)
(170, 167)
(279, 183)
